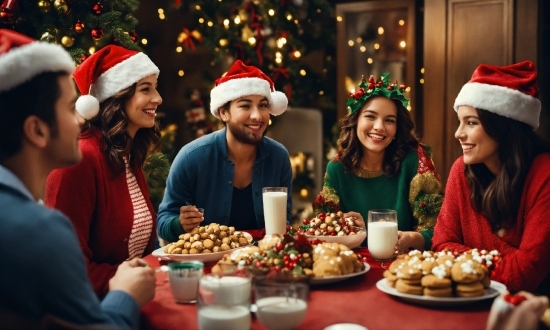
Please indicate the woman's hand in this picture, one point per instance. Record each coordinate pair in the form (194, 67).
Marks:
(407, 240)
(190, 217)
(357, 218)
(526, 315)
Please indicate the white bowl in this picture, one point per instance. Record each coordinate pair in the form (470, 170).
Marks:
(351, 241)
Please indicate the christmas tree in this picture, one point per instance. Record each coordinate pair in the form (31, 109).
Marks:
(82, 26)
(292, 41)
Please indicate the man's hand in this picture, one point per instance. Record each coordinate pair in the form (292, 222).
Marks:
(135, 278)
(190, 217)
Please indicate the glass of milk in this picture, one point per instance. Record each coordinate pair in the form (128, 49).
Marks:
(382, 234)
(275, 200)
(280, 305)
(184, 280)
(224, 301)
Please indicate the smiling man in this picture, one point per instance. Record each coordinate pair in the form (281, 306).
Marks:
(224, 172)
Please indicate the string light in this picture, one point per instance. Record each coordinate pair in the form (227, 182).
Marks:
(223, 42)
(303, 192)
(197, 7)
(421, 80)
(297, 54)
(288, 17)
(161, 16)
(401, 22)
(226, 23)
(339, 18)
(351, 43)
(161, 11)
(144, 41)
(201, 20)
(237, 20)
(91, 50)
(181, 73)
(271, 12)
(408, 89)
(210, 23)
(402, 44)
(363, 49)
(380, 30)
(369, 60)
(281, 42)
(422, 70)
(179, 49)
(376, 46)
(303, 72)
(321, 92)
(359, 40)
(252, 41)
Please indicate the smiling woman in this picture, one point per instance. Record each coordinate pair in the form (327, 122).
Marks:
(382, 165)
(105, 195)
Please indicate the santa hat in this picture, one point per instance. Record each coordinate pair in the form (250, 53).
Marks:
(107, 72)
(510, 91)
(242, 80)
(22, 58)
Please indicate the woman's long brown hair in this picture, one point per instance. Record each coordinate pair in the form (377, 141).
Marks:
(498, 197)
(112, 121)
(351, 149)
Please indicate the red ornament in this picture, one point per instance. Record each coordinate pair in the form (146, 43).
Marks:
(390, 88)
(371, 86)
(402, 86)
(97, 33)
(97, 9)
(363, 79)
(9, 11)
(134, 36)
(371, 79)
(79, 27)
(83, 58)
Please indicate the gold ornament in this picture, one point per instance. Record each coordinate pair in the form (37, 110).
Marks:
(46, 36)
(61, 6)
(246, 33)
(67, 41)
(44, 6)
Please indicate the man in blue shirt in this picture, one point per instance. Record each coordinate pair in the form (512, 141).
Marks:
(43, 271)
(224, 172)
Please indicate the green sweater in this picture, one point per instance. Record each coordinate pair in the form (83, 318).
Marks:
(415, 196)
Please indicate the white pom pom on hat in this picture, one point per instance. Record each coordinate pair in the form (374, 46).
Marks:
(107, 72)
(242, 80)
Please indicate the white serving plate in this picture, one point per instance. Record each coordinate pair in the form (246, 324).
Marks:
(492, 291)
(337, 278)
(351, 241)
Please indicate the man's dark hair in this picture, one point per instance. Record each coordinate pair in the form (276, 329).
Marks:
(34, 97)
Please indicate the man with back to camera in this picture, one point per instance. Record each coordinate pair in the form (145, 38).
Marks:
(43, 271)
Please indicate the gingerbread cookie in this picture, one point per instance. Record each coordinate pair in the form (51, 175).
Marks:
(467, 271)
(474, 289)
(403, 287)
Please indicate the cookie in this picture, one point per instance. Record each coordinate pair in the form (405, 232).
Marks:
(467, 271)
(403, 287)
(474, 289)
(438, 292)
(433, 281)
(409, 273)
(390, 278)
(428, 264)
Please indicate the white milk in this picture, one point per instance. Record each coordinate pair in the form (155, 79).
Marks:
(227, 290)
(275, 212)
(281, 313)
(184, 289)
(382, 237)
(216, 317)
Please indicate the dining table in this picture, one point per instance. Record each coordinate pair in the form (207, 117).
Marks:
(355, 300)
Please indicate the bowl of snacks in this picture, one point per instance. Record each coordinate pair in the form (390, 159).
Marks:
(333, 228)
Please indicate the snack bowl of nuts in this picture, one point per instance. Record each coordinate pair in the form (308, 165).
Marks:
(207, 243)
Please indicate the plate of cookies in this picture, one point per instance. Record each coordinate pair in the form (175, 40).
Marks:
(337, 278)
(205, 243)
(442, 278)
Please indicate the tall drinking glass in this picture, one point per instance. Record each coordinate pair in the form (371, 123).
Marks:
(382, 234)
(274, 200)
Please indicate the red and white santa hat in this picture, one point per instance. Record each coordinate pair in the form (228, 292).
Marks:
(107, 72)
(510, 91)
(242, 80)
(23, 58)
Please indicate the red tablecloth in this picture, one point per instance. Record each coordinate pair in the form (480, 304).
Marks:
(356, 300)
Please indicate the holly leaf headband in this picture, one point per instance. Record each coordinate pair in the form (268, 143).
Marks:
(371, 88)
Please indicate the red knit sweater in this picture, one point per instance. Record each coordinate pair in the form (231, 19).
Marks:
(98, 204)
(525, 249)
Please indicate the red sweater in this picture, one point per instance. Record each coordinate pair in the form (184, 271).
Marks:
(525, 249)
(99, 205)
